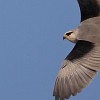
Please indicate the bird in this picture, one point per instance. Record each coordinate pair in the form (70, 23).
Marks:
(82, 64)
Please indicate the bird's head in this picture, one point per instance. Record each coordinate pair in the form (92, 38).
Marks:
(71, 36)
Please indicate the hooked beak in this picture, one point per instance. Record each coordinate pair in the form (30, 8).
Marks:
(64, 37)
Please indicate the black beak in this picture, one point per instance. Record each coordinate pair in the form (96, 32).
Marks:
(64, 37)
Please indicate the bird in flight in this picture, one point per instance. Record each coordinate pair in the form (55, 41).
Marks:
(83, 62)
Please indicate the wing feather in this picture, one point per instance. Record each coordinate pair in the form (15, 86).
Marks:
(89, 8)
(78, 70)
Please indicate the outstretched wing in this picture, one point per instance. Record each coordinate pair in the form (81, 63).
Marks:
(78, 70)
(89, 8)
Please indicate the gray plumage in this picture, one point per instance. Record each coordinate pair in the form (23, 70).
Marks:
(83, 62)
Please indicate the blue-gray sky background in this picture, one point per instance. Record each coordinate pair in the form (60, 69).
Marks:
(32, 49)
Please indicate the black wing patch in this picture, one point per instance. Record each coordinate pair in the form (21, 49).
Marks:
(89, 8)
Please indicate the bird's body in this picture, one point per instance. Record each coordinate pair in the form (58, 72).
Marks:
(83, 62)
(89, 30)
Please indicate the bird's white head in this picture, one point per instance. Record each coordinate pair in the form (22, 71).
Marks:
(71, 35)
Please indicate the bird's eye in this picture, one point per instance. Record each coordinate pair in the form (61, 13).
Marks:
(69, 33)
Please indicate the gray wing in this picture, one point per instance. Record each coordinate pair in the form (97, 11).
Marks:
(78, 70)
(89, 8)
